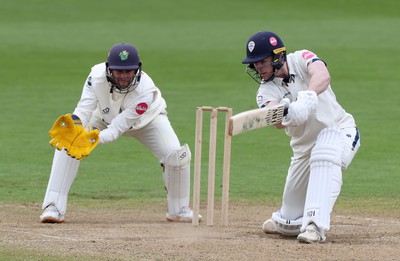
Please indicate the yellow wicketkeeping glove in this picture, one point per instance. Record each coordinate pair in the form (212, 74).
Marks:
(64, 131)
(84, 143)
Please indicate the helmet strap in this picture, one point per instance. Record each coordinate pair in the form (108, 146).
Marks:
(278, 60)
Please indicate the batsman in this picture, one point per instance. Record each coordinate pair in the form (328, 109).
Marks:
(324, 137)
(118, 99)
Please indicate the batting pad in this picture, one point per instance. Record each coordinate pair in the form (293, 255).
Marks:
(63, 173)
(177, 179)
(325, 176)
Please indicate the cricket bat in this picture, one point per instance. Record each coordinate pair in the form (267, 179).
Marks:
(255, 119)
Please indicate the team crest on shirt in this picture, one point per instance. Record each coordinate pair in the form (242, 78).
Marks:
(141, 108)
(251, 46)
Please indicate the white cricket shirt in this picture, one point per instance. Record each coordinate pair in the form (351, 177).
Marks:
(120, 112)
(329, 112)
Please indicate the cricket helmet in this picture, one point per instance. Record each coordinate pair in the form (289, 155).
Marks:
(260, 46)
(123, 57)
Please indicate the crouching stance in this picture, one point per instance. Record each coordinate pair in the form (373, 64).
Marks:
(118, 99)
(324, 137)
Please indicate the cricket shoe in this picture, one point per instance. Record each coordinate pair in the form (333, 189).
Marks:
(185, 215)
(313, 234)
(51, 215)
(268, 227)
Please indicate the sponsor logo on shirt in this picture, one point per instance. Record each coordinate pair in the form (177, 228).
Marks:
(141, 108)
(89, 81)
(307, 55)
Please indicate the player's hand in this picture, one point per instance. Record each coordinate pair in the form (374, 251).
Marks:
(64, 131)
(301, 109)
(84, 143)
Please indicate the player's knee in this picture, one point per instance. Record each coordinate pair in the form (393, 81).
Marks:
(179, 158)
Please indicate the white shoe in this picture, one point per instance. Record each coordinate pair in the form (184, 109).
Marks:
(268, 227)
(312, 235)
(185, 215)
(51, 215)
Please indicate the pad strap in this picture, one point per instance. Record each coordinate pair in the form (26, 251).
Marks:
(286, 227)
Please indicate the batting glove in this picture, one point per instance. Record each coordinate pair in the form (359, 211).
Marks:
(301, 109)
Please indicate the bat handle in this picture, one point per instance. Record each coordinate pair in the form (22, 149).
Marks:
(285, 111)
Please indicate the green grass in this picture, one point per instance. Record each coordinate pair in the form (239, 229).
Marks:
(193, 51)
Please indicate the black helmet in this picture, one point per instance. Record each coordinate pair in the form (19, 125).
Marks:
(260, 46)
(123, 56)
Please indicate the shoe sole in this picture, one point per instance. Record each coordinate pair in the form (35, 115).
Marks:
(179, 220)
(51, 220)
(307, 240)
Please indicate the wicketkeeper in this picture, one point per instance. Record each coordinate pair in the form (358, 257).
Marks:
(118, 99)
(324, 137)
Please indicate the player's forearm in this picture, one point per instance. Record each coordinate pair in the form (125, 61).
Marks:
(86, 105)
(108, 135)
(84, 109)
(118, 126)
(84, 115)
(319, 83)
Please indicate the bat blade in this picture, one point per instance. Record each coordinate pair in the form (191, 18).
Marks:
(255, 119)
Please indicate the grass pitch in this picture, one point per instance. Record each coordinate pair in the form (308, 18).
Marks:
(193, 52)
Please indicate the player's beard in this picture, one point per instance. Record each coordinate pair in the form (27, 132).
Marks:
(123, 82)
